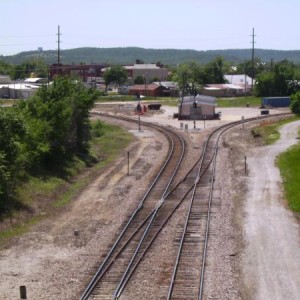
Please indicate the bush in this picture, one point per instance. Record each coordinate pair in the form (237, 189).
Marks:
(97, 129)
(295, 104)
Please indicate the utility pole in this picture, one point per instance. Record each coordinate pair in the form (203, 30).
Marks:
(58, 43)
(253, 42)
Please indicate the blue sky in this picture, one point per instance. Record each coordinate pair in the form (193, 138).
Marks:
(159, 24)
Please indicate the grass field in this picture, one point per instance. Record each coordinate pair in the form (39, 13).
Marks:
(288, 163)
(268, 130)
(239, 102)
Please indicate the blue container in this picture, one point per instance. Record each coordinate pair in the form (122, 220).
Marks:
(276, 101)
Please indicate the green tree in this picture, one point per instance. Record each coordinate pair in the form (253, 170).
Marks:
(5, 68)
(295, 104)
(24, 70)
(189, 77)
(11, 161)
(214, 71)
(57, 118)
(281, 80)
(115, 74)
(246, 67)
(139, 80)
(265, 84)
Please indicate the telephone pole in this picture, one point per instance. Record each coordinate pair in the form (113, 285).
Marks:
(253, 42)
(58, 43)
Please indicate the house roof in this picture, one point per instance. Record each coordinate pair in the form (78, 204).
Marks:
(33, 80)
(224, 86)
(167, 84)
(199, 98)
(143, 87)
(142, 67)
(18, 86)
(145, 66)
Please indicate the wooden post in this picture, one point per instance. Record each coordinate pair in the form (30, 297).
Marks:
(23, 292)
(245, 165)
(139, 122)
(128, 163)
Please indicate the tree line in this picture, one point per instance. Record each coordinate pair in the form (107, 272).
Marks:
(43, 133)
(127, 55)
(271, 79)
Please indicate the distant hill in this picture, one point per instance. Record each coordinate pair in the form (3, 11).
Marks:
(166, 56)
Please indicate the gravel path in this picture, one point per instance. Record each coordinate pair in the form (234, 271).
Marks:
(272, 256)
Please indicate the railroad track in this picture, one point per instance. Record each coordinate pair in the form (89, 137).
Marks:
(187, 279)
(153, 212)
(112, 275)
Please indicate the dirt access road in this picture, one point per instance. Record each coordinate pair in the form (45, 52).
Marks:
(272, 256)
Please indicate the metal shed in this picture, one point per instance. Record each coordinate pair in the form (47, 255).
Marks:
(197, 108)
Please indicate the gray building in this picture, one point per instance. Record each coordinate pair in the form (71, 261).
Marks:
(197, 108)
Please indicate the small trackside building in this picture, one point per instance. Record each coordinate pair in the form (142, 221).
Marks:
(199, 107)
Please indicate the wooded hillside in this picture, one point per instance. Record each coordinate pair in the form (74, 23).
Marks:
(166, 56)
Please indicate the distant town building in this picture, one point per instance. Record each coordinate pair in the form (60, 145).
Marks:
(91, 72)
(151, 90)
(239, 79)
(170, 88)
(223, 90)
(5, 79)
(148, 71)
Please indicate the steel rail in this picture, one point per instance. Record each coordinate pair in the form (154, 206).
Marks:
(197, 179)
(204, 255)
(127, 272)
(151, 242)
(199, 175)
(165, 195)
(102, 268)
(224, 128)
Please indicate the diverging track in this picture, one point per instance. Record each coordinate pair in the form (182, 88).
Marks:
(164, 196)
(117, 267)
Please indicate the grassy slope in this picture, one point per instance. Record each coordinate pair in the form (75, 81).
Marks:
(53, 192)
(239, 102)
(173, 101)
(287, 162)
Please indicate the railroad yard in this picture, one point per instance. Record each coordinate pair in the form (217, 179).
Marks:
(58, 258)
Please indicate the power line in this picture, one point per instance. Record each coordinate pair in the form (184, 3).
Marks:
(253, 42)
(58, 43)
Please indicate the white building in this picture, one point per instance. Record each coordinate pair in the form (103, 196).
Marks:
(21, 90)
(242, 80)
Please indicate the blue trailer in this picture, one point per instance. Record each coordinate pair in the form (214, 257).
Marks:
(275, 102)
